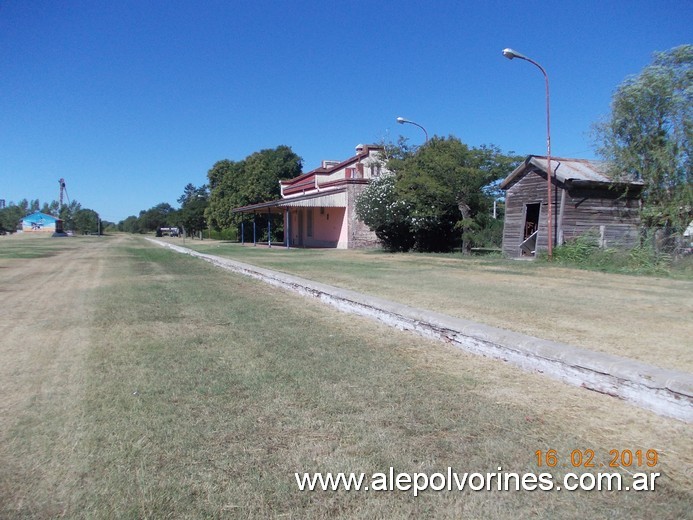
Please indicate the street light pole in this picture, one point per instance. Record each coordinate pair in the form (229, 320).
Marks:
(401, 121)
(510, 54)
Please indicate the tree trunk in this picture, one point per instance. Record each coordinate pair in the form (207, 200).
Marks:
(464, 209)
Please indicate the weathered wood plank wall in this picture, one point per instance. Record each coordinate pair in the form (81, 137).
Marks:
(616, 217)
(610, 214)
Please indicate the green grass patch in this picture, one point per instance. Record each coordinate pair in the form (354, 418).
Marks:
(12, 247)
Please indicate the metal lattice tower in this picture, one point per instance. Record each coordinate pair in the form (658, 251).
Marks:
(63, 189)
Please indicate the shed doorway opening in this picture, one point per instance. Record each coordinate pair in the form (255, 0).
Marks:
(531, 229)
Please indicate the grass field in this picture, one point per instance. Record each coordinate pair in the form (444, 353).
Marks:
(639, 317)
(139, 383)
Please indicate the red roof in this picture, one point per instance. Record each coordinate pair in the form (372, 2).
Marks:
(300, 183)
(310, 176)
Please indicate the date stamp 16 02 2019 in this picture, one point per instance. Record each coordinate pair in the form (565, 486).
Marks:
(586, 458)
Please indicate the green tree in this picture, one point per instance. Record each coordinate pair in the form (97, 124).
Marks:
(130, 225)
(225, 178)
(86, 221)
(264, 169)
(161, 215)
(108, 227)
(10, 217)
(440, 194)
(252, 180)
(67, 214)
(24, 206)
(191, 215)
(648, 136)
(50, 208)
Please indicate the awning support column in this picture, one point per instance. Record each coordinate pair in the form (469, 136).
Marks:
(269, 227)
(287, 228)
(242, 233)
(254, 231)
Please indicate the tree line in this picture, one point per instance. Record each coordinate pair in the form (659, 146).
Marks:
(75, 218)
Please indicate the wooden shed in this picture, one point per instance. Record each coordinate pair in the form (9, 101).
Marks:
(584, 198)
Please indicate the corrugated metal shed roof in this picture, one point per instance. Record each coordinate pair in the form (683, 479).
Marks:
(566, 171)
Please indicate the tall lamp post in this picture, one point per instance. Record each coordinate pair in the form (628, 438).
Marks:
(510, 54)
(401, 121)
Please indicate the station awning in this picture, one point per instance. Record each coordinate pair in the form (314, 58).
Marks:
(327, 199)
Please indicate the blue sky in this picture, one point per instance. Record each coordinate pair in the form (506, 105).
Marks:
(131, 100)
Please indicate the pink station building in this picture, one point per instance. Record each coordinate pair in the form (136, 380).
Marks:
(318, 207)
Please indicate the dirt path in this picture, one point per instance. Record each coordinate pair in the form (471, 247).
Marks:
(44, 338)
(45, 322)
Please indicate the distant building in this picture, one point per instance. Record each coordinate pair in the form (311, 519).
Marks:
(584, 198)
(41, 223)
(318, 207)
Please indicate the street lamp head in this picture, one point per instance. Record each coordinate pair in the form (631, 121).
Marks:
(510, 54)
(402, 120)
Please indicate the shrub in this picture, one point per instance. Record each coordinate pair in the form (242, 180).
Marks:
(584, 252)
(386, 215)
(224, 234)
